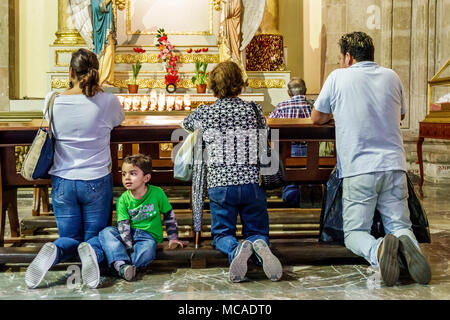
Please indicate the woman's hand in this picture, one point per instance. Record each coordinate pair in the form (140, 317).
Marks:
(173, 244)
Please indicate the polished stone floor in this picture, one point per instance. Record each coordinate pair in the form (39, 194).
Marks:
(312, 282)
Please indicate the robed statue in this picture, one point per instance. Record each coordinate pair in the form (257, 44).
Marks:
(94, 20)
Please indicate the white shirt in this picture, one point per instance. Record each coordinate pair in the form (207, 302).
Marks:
(367, 103)
(82, 129)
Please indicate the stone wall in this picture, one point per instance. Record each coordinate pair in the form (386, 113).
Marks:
(4, 57)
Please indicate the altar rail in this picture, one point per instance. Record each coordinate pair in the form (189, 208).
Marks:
(145, 134)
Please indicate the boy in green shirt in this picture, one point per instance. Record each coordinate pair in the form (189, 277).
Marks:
(132, 245)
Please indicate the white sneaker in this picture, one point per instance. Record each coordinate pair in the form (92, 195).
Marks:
(40, 265)
(90, 271)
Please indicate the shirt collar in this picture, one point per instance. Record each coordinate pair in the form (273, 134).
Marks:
(364, 64)
(299, 97)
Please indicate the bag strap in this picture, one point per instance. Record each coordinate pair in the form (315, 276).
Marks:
(49, 106)
(258, 119)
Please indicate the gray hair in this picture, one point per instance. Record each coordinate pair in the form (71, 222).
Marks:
(296, 87)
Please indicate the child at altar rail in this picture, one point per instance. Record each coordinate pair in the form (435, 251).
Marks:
(132, 245)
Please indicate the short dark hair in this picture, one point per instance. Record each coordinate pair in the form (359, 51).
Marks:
(297, 86)
(225, 80)
(141, 161)
(359, 45)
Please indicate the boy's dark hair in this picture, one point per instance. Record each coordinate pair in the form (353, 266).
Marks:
(141, 161)
(359, 45)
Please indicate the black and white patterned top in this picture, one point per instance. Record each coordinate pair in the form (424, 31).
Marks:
(229, 130)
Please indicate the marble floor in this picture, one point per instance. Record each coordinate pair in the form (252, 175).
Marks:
(311, 282)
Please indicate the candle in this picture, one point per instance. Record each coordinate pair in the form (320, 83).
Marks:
(170, 102)
(127, 104)
(144, 103)
(136, 103)
(161, 102)
(121, 99)
(179, 103)
(187, 102)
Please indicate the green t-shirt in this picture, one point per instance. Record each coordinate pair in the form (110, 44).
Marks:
(145, 213)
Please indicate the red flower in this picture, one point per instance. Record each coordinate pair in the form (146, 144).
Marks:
(171, 79)
(163, 38)
(205, 49)
(138, 50)
(189, 50)
(198, 50)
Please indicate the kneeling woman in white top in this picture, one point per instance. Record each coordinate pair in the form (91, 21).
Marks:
(82, 186)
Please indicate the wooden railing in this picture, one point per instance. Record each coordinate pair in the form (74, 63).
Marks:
(145, 134)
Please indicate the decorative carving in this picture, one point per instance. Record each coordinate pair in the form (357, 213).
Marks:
(58, 52)
(184, 83)
(265, 53)
(217, 4)
(121, 4)
(153, 58)
(266, 83)
(20, 152)
(60, 83)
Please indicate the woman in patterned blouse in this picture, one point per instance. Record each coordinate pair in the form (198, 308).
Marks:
(229, 130)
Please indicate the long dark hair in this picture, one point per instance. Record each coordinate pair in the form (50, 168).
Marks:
(85, 65)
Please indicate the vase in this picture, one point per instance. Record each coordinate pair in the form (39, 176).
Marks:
(133, 88)
(201, 88)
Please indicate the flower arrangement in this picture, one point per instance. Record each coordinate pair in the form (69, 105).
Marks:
(167, 55)
(137, 66)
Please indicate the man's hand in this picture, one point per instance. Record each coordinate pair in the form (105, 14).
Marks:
(318, 117)
(173, 244)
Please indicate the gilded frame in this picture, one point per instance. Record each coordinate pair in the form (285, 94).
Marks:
(200, 33)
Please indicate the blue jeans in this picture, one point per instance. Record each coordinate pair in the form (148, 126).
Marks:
(144, 247)
(386, 191)
(249, 200)
(82, 209)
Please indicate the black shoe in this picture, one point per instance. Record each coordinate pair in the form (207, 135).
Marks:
(417, 264)
(389, 267)
(238, 267)
(271, 265)
(127, 272)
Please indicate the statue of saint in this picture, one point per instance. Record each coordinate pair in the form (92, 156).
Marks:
(94, 20)
(239, 21)
(104, 36)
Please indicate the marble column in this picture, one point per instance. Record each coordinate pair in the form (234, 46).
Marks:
(67, 34)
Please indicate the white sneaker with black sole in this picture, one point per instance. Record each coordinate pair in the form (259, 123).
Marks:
(40, 265)
(90, 271)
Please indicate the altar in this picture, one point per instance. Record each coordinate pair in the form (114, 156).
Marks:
(193, 29)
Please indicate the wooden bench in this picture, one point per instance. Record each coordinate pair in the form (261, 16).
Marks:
(145, 134)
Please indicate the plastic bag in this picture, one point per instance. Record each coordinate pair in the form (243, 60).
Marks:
(184, 159)
(331, 223)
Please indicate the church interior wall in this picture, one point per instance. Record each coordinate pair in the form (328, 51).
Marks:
(291, 27)
(38, 21)
(4, 70)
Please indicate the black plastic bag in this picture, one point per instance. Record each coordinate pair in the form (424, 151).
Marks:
(331, 223)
